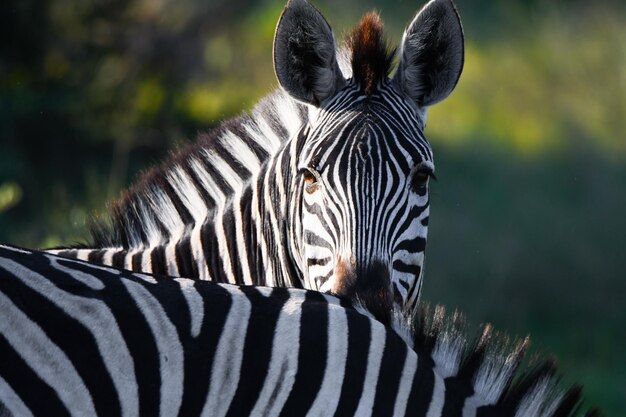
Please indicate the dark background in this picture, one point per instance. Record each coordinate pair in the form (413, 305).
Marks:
(527, 218)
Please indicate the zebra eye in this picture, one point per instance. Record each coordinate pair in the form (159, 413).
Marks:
(420, 181)
(310, 180)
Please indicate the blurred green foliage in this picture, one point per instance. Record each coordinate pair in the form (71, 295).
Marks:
(527, 228)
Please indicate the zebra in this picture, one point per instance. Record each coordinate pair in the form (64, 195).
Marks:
(83, 339)
(345, 196)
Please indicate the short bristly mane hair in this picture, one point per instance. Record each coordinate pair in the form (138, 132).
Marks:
(491, 366)
(371, 57)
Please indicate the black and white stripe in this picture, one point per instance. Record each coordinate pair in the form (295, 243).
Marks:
(80, 339)
(309, 193)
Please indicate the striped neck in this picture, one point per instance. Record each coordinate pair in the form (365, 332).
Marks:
(181, 193)
(250, 239)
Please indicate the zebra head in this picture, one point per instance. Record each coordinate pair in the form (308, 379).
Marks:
(363, 159)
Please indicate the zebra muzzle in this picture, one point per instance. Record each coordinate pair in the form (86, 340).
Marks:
(369, 287)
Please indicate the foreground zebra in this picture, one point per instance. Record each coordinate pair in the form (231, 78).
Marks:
(87, 340)
(330, 185)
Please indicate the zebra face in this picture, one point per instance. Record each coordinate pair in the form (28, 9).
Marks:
(365, 197)
(363, 161)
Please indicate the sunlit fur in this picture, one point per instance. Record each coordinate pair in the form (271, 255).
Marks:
(237, 203)
(87, 340)
(364, 210)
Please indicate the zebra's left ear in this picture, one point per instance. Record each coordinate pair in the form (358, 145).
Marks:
(431, 54)
(304, 54)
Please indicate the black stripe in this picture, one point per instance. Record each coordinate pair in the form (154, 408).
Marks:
(312, 356)
(314, 240)
(391, 367)
(400, 266)
(237, 127)
(418, 244)
(199, 351)
(117, 260)
(137, 261)
(67, 333)
(135, 331)
(249, 234)
(69, 253)
(157, 259)
(422, 388)
(36, 394)
(228, 222)
(96, 256)
(207, 197)
(258, 344)
(356, 364)
(416, 285)
(187, 267)
(318, 261)
(216, 175)
(181, 208)
(210, 247)
(458, 389)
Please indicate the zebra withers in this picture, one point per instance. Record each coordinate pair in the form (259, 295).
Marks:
(81, 339)
(345, 196)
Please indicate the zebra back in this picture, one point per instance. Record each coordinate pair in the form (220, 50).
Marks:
(79, 339)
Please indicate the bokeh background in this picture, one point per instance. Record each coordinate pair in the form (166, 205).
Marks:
(528, 218)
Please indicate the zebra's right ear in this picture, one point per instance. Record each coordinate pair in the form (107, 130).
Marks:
(304, 54)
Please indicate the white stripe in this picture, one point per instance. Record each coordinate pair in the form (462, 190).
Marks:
(208, 182)
(100, 322)
(228, 356)
(83, 254)
(107, 256)
(195, 304)
(221, 238)
(263, 132)
(406, 383)
(86, 279)
(287, 110)
(257, 218)
(198, 253)
(187, 193)
(243, 254)
(128, 260)
(45, 358)
(225, 170)
(14, 249)
(165, 210)
(146, 261)
(265, 291)
(171, 359)
(330, 390)
(439, 395)
(170, 257)
(12, 401)
(240, 151)
(285, 349)
(374, 359)
(149, 224)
